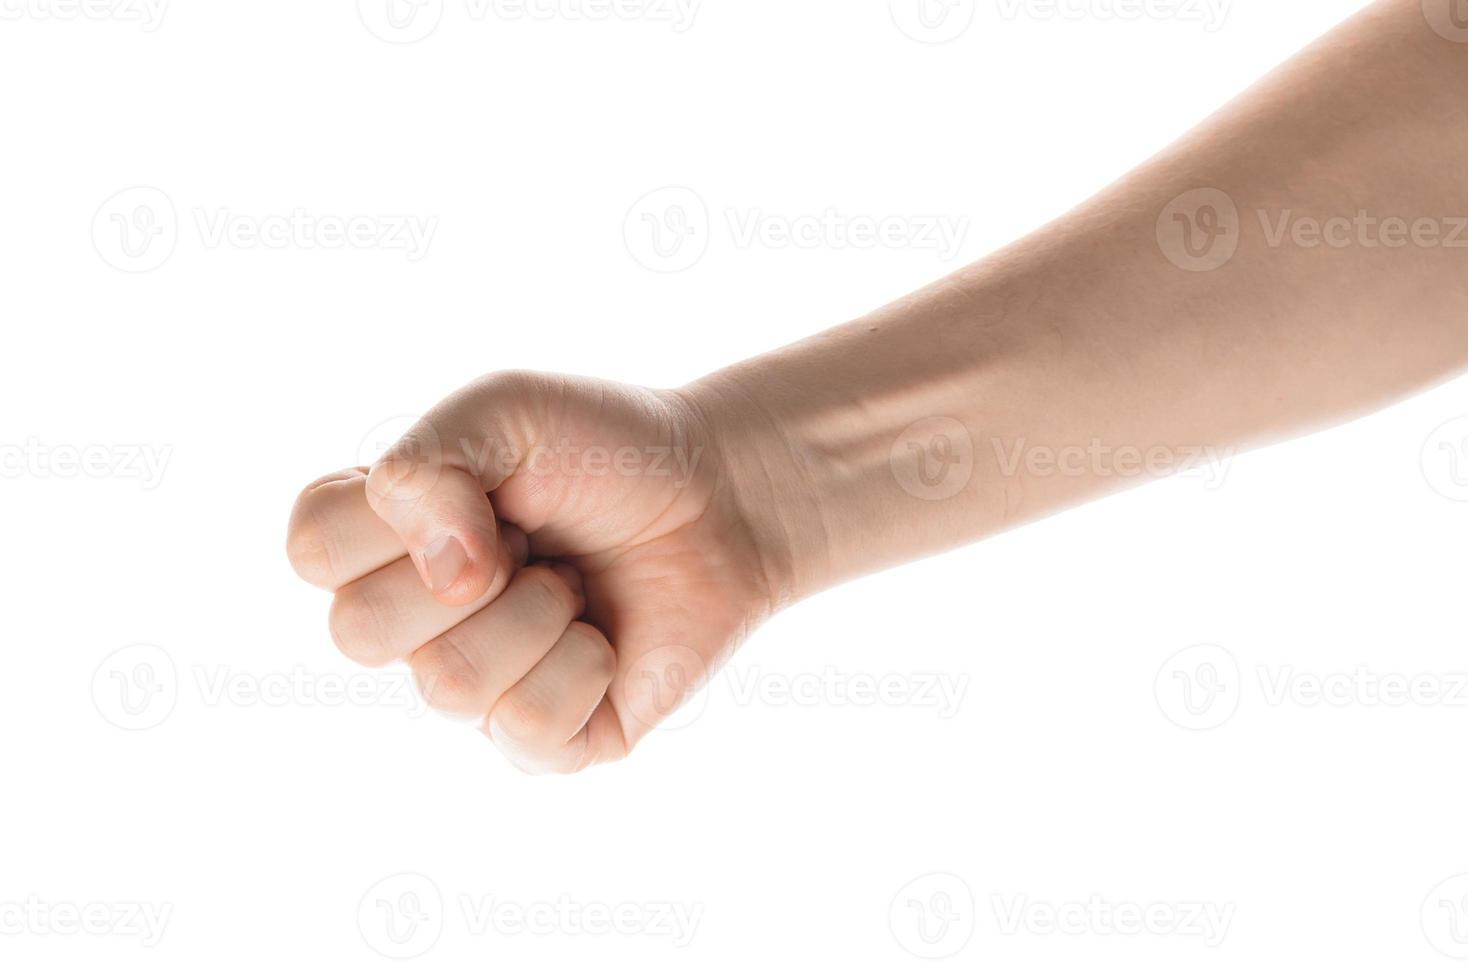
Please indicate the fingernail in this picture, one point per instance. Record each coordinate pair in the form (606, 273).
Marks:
(444, 560)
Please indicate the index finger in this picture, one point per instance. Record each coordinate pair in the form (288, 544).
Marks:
(335, 537)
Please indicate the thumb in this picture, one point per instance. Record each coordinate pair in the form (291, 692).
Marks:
(432, 489)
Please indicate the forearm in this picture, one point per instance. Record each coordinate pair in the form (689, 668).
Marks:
(1087, 336)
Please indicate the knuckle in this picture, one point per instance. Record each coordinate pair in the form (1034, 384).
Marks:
(305, 543)
(594, 649)
(571, 757)
(508, 379)
(520, 722)
(547, 593)
(356, 627)
(447, 678)
(407, 472)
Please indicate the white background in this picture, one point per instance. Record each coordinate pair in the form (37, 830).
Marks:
(261, 824)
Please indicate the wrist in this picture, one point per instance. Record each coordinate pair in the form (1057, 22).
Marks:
(843, 460)
(764, 481)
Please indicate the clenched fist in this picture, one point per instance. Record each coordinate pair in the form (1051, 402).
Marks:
(560, 560)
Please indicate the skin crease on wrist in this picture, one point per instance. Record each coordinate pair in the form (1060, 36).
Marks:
(568, 612)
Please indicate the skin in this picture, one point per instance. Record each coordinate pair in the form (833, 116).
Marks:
(562, 560)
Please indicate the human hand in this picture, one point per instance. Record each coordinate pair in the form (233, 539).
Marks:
(645, 569)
